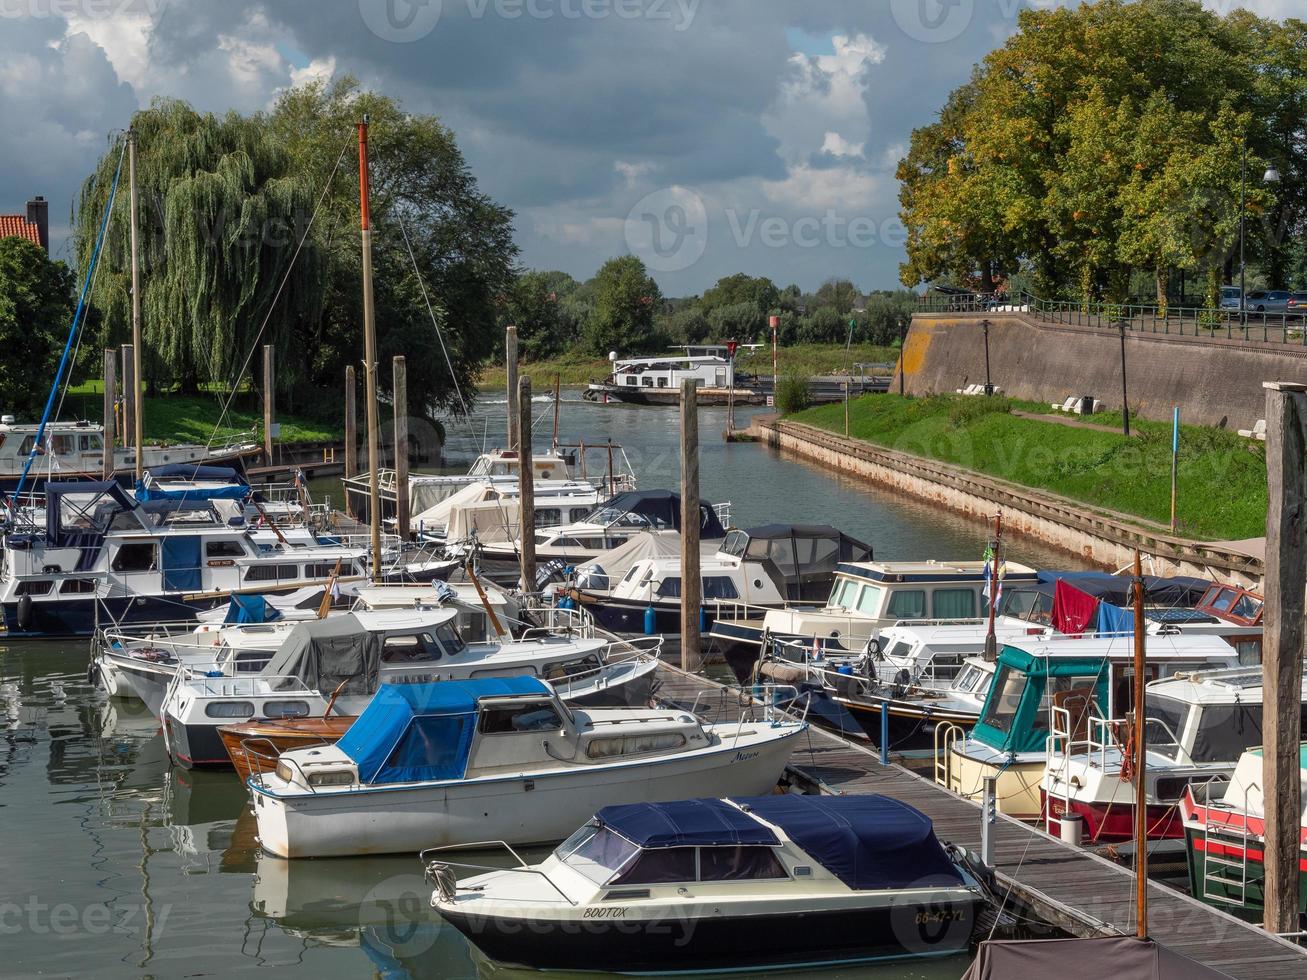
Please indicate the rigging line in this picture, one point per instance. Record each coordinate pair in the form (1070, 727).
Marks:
(299, 247)
(72, 331)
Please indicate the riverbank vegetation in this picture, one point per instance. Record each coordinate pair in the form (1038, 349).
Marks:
(1222, 477)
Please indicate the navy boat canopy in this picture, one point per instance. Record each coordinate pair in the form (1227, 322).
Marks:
(417, 732)
(1183, 591)
(867, 841)
(232, 484)
(661, 508)
(685, 823)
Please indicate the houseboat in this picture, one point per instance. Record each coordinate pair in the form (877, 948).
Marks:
(657, 380)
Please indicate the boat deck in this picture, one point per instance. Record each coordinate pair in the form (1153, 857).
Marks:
(1072, 888)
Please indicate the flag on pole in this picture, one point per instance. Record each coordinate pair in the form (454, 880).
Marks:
(990, 575)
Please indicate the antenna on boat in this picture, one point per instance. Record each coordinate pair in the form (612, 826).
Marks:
(137, 399)
(369, 353)
(1141, 801)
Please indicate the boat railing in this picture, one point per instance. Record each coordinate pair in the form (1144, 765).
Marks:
(736, 609)
(946, 737)
(204, 682)
(556, 620)
(437, 875)
(778, 704)
(630, 656)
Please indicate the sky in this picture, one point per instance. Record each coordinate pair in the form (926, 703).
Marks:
(707, 137)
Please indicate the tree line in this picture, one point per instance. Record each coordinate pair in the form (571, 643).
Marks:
(1099, 154)
(622, 309)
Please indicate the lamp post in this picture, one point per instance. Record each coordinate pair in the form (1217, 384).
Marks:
(1272, 176)
(1125, 395)
(989, 387)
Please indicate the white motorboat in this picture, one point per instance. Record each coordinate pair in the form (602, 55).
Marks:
(340, 662)
(722, 885)
(499, 759)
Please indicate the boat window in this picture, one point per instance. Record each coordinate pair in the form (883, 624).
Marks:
(1225, 731)
(1223, 601)
(630, 380)
(968, 679)
(572, 668)
(953, 604)
(843, 592)
(449, 639)
(669, 588)
(548, 516)
(630, 575)
(64, 445)
(647, 381)
(660, 866)
(34, 587)
(135, 558)
(596, 852)
(869, 601)
(608, 748)
(1246, 607)
(223, 549)
(409, 649)
(508, 719)
(1166, 718)
(1249, 648)
(905, 604)
(577, 514)
(662, 382)
(285, 709)
(738, 864)
(719, 587)
(229, 709)
(735, 543)
(1004, 699)
(77, 586)
(900, 650)
(325, 569)
(1077, 694)
(271, 573)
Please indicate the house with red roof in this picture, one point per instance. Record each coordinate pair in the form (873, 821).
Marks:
(34, 225)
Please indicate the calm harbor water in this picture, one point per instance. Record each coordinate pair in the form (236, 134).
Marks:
(117, 865)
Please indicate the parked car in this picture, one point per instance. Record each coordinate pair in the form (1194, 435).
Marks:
(1297, 304)
(1268, 301)
(1230, 296)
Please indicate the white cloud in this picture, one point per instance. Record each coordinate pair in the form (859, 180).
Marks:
(837, 146)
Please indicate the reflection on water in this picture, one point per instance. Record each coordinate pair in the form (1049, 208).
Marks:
(119, 865)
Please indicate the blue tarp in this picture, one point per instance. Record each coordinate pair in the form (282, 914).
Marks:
(251, 609)
(418, 732)
(1113, 619)
(685, 823)
(236, 488)
(868, 842)
(180, 561)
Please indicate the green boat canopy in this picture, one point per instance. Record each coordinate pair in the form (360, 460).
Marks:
(1015, 716)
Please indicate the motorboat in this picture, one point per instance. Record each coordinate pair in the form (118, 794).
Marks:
(865, 597)
(1198, 727)
(340, 662)
(1225, 836)
(746, 573)
(657, 380)
(499, 759)
(1089, 676)
(493, 510)
(722, 885)
(103, 558)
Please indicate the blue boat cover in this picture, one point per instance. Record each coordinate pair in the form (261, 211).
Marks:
(251, 609)
(1113, 620)
(685, 823)
(867, 841)
(662, 509)
(235, 489)
(418, 732)
(180, 560)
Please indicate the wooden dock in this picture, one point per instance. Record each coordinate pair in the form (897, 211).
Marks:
(1071, 888)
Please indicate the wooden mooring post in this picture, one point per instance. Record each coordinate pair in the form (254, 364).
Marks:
(400, 402)
(691, 586)
(526, 494)
(351, 432)
(128, 389)
(269, 401)
(510, 362)
(1282, 647)
(110, 410)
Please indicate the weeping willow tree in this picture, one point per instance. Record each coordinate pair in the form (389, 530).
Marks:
(225, 202)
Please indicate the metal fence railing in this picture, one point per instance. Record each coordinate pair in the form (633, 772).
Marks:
(1285, 327)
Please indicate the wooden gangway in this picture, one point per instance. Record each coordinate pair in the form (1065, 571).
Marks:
(1069, 887)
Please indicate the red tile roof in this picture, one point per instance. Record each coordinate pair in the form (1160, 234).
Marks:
(18, 225)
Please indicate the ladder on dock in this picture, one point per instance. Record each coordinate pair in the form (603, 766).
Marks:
(1225, 878)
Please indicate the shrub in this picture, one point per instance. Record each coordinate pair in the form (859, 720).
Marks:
(792, 394)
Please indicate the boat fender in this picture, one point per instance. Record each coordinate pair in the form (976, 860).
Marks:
(650, 621)
(703, 619)
(25, 613)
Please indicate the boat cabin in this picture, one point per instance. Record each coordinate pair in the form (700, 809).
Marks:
(712, 369)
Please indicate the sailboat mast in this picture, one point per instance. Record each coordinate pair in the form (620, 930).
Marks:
(370, 354)
(1141, 755)
(137, 399)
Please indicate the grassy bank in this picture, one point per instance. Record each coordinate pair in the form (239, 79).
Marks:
(178, 418)
(1222, 478)
(806, 359)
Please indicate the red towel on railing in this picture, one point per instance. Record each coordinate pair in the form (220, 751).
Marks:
(1073, 611)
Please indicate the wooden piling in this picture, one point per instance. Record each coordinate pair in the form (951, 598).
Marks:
(510, 362)
(401, 447)
(269, 402)
(110, 409)
(691, 585)
(1282, 647)
(351, 432)
(526, 487)
(846, 408)
(129, 401)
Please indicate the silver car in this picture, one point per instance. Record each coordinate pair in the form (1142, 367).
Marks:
(1268, 301)
(1230, 296)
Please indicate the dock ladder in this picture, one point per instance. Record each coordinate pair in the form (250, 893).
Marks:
(1225, 878)
(946, 736)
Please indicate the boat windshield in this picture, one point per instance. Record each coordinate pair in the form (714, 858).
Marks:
(596, 852)
(1166, 718)
(1004, 699)
(1226, 731)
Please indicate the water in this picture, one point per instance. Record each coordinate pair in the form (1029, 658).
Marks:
(116, 864)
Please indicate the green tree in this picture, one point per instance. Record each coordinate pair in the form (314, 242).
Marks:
(534, 303)
(36, 310)
(740, 288)
(839, 295)
(625, 301)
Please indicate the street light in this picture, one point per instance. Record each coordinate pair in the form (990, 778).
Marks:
(1272, 176)
(1125, 395)
(989, 387)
